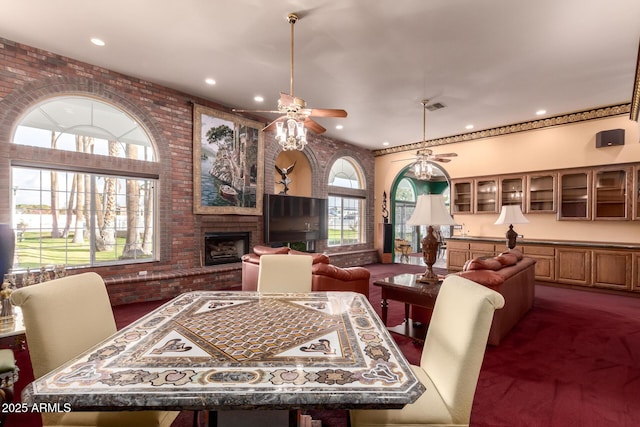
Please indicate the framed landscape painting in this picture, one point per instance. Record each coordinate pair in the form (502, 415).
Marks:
(227, 163)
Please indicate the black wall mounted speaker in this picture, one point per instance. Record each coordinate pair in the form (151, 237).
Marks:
(608, 138)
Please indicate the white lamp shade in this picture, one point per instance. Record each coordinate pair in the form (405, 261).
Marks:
(511, 214)
(430, 210)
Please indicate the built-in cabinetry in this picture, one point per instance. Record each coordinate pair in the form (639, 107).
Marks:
(596, 265)
(598, 193)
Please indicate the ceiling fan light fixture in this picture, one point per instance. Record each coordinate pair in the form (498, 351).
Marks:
(293, 137)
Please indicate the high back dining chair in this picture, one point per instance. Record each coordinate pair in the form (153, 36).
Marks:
(63, 318)
(285, 273)
(451, 359)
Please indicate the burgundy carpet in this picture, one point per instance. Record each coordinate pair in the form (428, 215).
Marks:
(574, 360)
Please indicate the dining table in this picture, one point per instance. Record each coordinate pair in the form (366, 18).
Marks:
(236, 352)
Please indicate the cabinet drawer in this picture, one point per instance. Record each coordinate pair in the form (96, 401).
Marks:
(482, 247)
(454, 244)
(538, 250)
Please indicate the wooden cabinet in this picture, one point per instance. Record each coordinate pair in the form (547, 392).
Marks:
(635, 272)
(545, 261)
(541, 193)
(477, 250)
(595, 265)
(635, 193)
(512, 191)
(611, 269)
(462, 197)
(611, 187)
(486, 196)
(457, 254)
(573, 266)
(574, 193)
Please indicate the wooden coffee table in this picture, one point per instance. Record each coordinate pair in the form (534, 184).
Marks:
(405, 288)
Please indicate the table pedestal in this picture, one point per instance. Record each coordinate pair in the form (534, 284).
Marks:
(252, 418)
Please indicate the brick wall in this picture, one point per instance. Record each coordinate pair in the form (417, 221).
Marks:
(29, 75)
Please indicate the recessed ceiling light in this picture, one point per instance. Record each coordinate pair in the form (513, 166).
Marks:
(339, 127)
(541, 112)
(385, 143)
(210, 81)
(258, 98)
(468, 127)
(97, 41)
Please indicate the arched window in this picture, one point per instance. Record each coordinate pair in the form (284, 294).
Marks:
(405, 203)
(79, 214)
(346, 203)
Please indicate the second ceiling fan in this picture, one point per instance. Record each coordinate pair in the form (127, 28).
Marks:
(422, 162)
(295, 116)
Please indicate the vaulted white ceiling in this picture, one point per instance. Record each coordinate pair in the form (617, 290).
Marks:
(489, 62)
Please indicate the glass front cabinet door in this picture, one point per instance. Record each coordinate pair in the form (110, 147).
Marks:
(574, 193)
(512, 191)
(610, 193)
(462, 196)
(636, 193)
(486, 196)
(542, 193)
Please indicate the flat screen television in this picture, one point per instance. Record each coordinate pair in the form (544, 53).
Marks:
(294, 219)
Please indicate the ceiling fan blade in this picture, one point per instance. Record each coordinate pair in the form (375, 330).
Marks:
(447, 155)
(326, 112)
(273, 123)
(404, 160)
(314, 126)
(236, 110)
(439, 159)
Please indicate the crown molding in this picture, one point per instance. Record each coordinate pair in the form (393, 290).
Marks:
(582, 116)
(635, 97)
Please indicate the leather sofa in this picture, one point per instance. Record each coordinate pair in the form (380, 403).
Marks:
(325, 276)
(512, 275)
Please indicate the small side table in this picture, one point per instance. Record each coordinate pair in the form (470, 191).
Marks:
(407, 289)
(8, 377)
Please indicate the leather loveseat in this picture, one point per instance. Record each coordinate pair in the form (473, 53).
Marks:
(325, 276)
(512, 275)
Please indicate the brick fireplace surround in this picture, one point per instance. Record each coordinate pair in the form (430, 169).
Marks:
(29, 76)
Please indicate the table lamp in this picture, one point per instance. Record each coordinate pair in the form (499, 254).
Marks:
(511, 214)
(430, 210)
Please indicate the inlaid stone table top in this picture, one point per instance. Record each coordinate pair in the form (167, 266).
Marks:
(240, 350)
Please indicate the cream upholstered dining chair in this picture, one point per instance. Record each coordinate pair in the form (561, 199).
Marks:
(63, 318)
(285, 273)
(451, 359)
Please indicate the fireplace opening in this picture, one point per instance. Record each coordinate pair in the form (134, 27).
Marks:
(225, 247)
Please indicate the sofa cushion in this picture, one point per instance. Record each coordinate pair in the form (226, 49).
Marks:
(483, 264)
(507, 259)
(317, 257)
(516, 252)
(267, 250)
(487, 278)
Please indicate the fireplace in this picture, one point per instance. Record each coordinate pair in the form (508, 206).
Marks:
(225, 247)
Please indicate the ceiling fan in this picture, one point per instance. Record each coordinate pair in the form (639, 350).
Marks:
(293, 110)
(422, 166)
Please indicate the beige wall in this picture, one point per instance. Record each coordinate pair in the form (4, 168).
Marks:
(564, 146)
